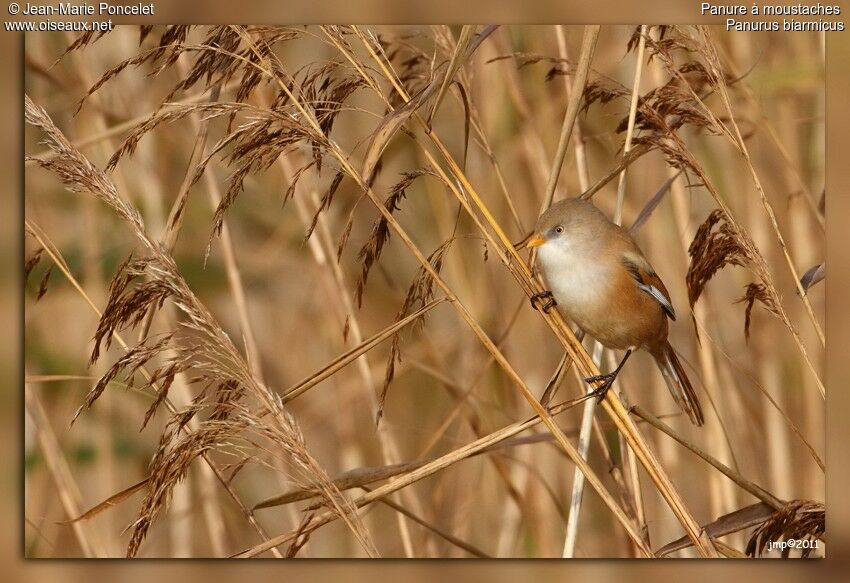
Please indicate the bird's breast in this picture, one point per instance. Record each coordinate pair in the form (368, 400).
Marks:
(579, 284)
(601, 298)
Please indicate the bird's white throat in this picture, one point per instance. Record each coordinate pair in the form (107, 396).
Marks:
(576, 279)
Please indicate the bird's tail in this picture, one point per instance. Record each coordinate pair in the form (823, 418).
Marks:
(678, 383)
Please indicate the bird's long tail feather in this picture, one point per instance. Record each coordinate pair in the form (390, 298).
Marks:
(678, 383)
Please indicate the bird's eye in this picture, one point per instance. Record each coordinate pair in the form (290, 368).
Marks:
(559, 229)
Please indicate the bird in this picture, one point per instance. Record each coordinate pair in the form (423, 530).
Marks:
(597, 277)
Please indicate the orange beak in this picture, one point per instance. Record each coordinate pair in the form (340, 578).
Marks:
(535, 241)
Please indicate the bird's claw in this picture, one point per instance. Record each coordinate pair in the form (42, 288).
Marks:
(607, 379)
(538, 304)
(602, 390)
(599, 377)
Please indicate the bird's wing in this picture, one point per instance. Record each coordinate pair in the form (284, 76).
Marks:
(648, 281)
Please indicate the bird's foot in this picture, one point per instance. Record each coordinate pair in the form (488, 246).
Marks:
(600, 391)
(606, 379)
(544, 301)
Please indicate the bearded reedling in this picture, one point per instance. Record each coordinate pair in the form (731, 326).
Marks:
(598, 277)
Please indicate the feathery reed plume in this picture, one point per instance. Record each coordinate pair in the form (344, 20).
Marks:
(756, 291)
(711, 250)
(420, 293)
(802, 521)
(200, 345)
(374, 245)
(32, 261)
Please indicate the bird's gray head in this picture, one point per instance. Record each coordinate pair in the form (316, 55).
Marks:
(568, 223)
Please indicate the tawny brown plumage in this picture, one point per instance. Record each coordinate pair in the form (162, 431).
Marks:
(600, 280)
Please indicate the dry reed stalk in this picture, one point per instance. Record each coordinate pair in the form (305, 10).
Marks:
(462, 397)
(806, 239)
(788, 421)
(721, 491)
(760, 269)
(112, 131)
(765, 123)
(234, 275)
(532, 144)
(93, 274)
(736, 477)
(783, 523)
(359, 350)
(446, 41)
(777, 435)
(588, 45)
(744, 246)
(678, 154)
(461, 544)
(362, 476)
(418, 473)
(577, 494)
(69, 493)
(569, 540)
(512, 478)
(173, 226)
(621, 184)
(578, 137)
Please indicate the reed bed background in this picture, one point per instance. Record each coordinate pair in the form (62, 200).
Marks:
(297, 275)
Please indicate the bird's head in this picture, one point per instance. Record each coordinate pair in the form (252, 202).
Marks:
(566, 223)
